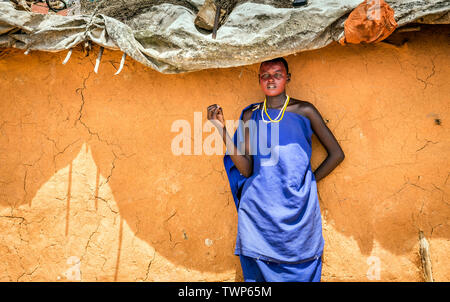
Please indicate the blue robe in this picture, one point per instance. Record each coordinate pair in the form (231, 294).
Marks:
(255, 270)
(278, 208)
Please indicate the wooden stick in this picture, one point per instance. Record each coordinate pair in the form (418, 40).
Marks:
(425, 257)
(216, 21)
(408, 29)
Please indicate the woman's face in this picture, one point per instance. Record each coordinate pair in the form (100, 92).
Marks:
(273, 78)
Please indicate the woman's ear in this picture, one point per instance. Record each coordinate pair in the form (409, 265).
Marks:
(288, 78)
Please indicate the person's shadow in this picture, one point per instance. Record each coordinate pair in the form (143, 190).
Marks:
(85, 149)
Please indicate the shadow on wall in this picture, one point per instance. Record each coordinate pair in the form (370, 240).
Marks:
(181, 205)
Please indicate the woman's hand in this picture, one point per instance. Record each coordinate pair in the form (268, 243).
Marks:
(215, 115)
(243, 162)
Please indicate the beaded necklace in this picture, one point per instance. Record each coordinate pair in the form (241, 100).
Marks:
(278, 118)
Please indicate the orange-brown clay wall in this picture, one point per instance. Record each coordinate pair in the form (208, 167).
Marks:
(90, 189)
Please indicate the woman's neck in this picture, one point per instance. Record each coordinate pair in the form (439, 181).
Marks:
(276, 102)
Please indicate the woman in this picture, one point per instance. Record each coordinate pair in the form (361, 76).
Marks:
(279, 234)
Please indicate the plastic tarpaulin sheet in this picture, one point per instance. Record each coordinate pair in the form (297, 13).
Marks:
(165, 38)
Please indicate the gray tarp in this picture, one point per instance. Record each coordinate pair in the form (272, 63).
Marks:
(165, 38)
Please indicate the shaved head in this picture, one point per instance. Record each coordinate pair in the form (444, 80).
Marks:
(279, 59)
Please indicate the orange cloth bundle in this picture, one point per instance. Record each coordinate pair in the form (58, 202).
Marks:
(370, 22)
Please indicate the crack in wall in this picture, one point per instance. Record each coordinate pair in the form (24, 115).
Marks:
(29, 274)
(65, 148)
(111, 171)
(149, 265)
(80, 91)
(107, 204)
(427, 142)
(88, 241)
(433, 72)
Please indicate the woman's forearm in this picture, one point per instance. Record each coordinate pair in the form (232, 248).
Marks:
(242, 162)
(328, 165)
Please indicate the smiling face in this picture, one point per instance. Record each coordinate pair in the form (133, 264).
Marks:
(273, 78)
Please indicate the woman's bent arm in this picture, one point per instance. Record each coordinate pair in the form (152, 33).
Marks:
(327, 139)
(242, 160)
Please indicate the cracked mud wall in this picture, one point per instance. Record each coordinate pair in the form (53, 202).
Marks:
(90, 191)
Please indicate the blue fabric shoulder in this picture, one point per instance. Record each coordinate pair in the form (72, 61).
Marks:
(235, 178)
